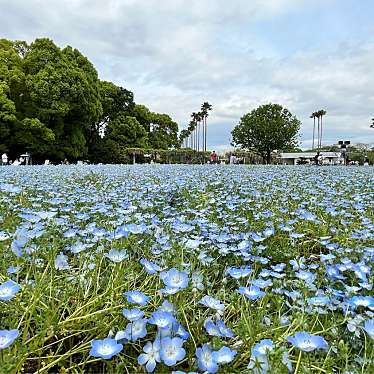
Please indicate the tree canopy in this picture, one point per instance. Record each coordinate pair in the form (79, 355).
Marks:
(265, 129)
(53, 104)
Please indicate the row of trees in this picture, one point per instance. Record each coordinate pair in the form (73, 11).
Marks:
(53, 105)
(319, 115)
(197, 129)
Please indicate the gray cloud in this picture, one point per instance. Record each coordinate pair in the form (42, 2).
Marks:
(175, 54)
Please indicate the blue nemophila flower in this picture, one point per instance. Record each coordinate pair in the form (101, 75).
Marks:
(259, 364)
(122, 337)
(61, 262)
(192, 243)
(262, 283)
(307, 342)
(117, 256)
(286, 361)
(180, 331)
(197, 281)
(205, 359)
(13, 269)
(333, 272)
(218, 329)
(211, 328)
(259, 356)
(8, 289)
(369, 327)
(278, 267)
(162, 319)
(252, 293)
(149, 267)
(225, 331)
(106, 348)
(136, 229)
(318, 301)
(212, 303)
(133, 314)
(269, 231)
(241, 272)
(262, 348)
(364, 301)
(224, 355)
(167, 306)
(172, 350)
(136, 330)
(136, 297)
(174, 278)
(7, 337)
(151, 356)
(306, 276)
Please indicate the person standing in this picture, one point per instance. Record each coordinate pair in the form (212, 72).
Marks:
(317, 158)
(213, 157)
(4, 159)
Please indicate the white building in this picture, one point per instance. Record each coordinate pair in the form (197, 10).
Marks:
(328, 158)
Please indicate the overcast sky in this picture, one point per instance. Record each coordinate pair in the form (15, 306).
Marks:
(236, 54)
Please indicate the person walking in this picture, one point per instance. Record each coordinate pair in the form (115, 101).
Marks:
(4, 159)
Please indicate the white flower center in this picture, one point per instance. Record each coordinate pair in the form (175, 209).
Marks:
(105, 349)
(5, 291)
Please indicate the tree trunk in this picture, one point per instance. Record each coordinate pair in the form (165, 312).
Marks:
(320, 139)
(198, 136)
(314, 129)
(206, 132)
(318, 134)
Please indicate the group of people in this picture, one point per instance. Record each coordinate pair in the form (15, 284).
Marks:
(18, 161)
(233, 159)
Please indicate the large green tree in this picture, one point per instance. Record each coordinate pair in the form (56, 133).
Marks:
(56, 95)
(53, 104)
(265, 129)
(127, 132)
(163, 133)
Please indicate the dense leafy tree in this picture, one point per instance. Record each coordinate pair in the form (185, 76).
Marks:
(163, 132)
(143, 116)
(53, 104)
(115, 101)
(7, 117)
(127, 132)
(267, 128)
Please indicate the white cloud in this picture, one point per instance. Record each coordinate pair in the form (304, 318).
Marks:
(175, 54)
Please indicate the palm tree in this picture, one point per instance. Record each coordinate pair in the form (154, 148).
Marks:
(321, 114)
(194, 121)
(313, 115)
(204, 114)
(183, 138)
(317, 115)
(198, 121)
(205, 108)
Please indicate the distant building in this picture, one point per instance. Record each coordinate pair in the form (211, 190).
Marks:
(295, 158)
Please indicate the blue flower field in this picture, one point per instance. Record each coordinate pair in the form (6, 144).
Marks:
(186, 269)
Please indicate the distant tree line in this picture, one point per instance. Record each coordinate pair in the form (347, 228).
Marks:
(53, 105)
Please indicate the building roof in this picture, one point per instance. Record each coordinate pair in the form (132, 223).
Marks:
(309, 154)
